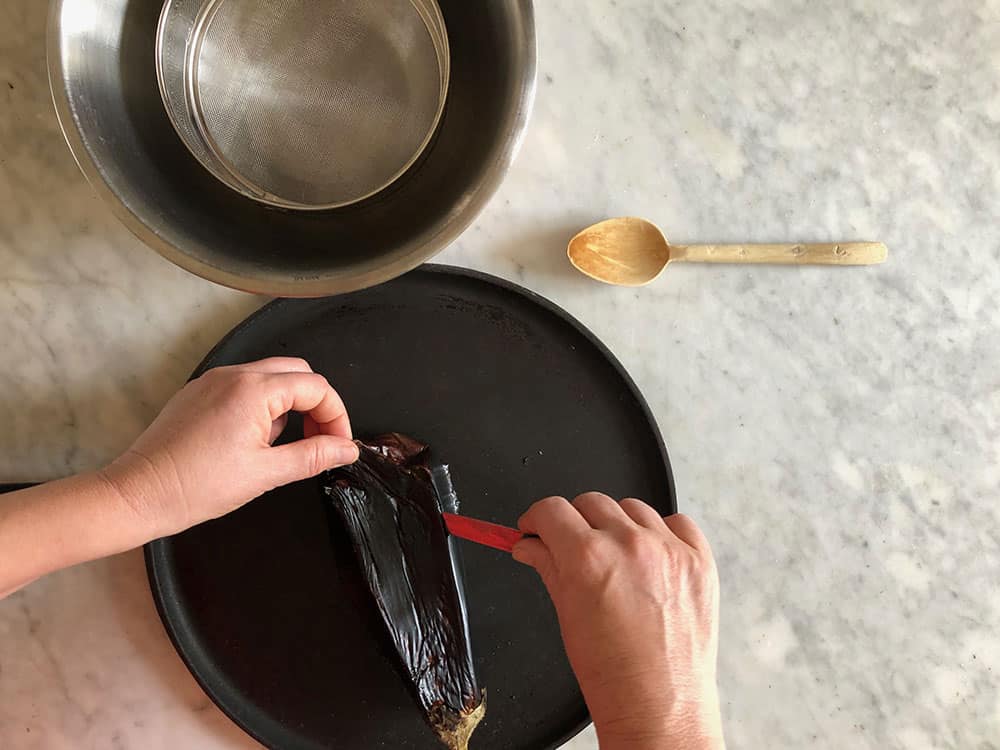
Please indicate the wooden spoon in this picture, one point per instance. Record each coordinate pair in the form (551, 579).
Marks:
(632, 252)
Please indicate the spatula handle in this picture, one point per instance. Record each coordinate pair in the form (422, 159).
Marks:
(483, 532)
(829, 253)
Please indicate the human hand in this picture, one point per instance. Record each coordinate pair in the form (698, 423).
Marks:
(210, 449)
(637, 597)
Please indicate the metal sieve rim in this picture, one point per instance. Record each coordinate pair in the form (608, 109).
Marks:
(428, 10)
(175, 102)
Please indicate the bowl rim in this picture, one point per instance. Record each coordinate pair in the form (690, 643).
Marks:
(416, 250)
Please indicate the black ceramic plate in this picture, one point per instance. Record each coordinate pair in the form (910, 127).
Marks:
(264, 605)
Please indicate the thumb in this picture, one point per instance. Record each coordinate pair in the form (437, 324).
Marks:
(533, 552)
(308, 457)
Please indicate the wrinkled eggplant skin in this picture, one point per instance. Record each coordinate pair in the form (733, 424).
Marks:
(390, 502)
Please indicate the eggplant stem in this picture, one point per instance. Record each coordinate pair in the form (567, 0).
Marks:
(457, 738)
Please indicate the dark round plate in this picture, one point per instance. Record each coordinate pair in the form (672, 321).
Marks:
(521, 400)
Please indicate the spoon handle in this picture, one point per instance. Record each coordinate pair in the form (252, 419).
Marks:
(830, 253)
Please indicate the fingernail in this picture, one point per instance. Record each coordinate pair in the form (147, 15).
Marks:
(347, 453)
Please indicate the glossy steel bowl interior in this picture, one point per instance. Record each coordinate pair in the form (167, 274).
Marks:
(102, 70)
(332, 123)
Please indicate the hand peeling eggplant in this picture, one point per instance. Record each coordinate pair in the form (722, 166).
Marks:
(390, 502)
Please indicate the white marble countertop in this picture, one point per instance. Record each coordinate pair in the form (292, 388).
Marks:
(836, 431)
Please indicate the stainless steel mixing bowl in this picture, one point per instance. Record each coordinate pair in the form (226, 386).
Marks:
(101, 57)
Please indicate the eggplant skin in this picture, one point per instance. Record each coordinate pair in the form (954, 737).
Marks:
(390, 502)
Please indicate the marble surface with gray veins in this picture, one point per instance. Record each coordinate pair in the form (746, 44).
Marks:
(835, 431)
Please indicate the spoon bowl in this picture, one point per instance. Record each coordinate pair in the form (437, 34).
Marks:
(627, 252)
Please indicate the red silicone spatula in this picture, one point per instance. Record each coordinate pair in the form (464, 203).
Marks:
(483, 532)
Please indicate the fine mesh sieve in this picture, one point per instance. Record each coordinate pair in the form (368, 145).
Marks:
(304, 104)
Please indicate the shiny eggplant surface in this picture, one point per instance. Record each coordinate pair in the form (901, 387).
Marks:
(390, 502)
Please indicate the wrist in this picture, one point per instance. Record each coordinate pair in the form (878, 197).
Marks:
(654, 721)
(699, 732)
(135, 493)
(688, 738)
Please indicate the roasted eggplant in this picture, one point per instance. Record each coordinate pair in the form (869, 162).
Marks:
(390, 502)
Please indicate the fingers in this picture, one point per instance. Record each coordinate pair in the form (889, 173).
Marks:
(557, 523)
(687, 531)
(643, 514)
(293, 386)
(308, 457)
(600, 511)
(311, 394)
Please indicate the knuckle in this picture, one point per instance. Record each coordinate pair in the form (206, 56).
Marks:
(592, 557)
(241, 385)
(325, 384)
(639, 511)
(541, 508)
(223, 385)
(642, 546)
(314, 458)
(550, 501)
(591, 497)
(547, 504)
(241, 379)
